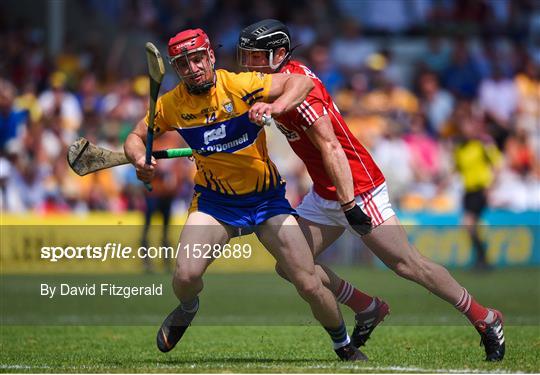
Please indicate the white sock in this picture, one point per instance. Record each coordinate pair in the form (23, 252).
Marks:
(338, 345)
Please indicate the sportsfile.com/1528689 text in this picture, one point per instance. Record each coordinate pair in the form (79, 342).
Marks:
(118, 251)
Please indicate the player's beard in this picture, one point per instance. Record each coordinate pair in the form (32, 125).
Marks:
(200, 83)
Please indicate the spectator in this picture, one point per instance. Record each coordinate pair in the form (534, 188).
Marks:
(461, 77)
(388, 100)
(123, 104)
(426, 158)
(498, 101)
(437, 56)
(349, 97)
(430, 166)
(112, 92)
(58, 100)
(350, 50)
(301, 29)
(519, 154)
(510, 181)
(26, 189)
(436, 102)
(325, 69)
(528, 107)
(475, 12)
(489, 55)
(393, 157)
(90, 102)
(13, 122)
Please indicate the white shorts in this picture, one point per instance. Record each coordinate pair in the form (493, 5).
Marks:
(375, 203)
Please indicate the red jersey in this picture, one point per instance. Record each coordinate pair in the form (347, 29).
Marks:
(293, 124)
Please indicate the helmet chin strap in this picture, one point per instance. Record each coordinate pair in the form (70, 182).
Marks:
(205, 87)
(200, 89)
(277, 67)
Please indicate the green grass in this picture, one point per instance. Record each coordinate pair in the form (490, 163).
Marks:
(257, 349)
(240, 327)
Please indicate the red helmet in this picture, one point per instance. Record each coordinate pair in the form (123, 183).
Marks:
(189, 43)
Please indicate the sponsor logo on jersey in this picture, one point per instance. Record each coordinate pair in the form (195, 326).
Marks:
(209, 109)
(214, 134)
(225, 146)
(188, 116)
(228, 136)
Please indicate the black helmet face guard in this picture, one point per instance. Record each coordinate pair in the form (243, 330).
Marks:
(246, 58)
(264, 43)
(182, 64)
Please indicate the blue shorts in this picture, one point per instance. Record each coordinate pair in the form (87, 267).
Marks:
(241, 211)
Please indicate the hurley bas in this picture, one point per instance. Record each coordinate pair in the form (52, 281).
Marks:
(103, 289)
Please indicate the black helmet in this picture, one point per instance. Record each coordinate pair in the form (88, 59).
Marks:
(266, 35)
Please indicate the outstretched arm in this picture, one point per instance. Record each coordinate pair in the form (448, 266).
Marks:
(286, 92)
(336, 165)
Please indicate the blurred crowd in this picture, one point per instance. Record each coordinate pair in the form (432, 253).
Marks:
(414, 79)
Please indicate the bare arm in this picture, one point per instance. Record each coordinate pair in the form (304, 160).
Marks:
(135, 144)
(135, 150)
(286, 92)
(336, 165)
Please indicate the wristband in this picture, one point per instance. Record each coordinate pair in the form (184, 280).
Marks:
(349, 202)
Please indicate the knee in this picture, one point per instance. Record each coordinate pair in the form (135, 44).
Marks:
(185, 278)
(407, 266)
(414, 267)
(404, 268)
(308, 288)
(281, 272)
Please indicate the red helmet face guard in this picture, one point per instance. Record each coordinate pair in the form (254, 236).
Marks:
(192, 58)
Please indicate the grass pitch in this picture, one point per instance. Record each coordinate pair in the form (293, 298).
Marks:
(238, 330)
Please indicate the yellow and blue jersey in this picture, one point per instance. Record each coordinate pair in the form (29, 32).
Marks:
(231, 157)
(236, 182)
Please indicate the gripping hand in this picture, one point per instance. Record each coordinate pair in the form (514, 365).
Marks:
(358, 220)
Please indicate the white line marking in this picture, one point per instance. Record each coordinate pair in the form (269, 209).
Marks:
(338, 366)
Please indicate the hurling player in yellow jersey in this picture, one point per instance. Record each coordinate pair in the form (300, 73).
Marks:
(220, 115)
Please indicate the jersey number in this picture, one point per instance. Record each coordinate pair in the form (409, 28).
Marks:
(210, 118)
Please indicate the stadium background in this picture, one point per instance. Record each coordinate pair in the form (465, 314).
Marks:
(405, 74)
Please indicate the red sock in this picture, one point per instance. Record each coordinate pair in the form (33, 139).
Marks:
(352, 297)
(470, 308)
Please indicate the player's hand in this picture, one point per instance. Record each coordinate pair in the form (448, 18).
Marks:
(145, 172)
(358, 220)
(260, 113)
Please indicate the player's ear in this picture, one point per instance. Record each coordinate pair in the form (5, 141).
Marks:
(279, 55)
(212, 57)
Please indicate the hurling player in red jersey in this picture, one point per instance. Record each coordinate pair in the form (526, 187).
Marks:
(349, 192)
